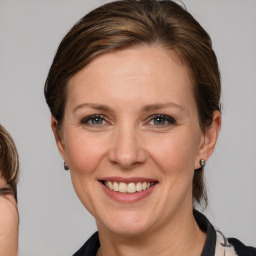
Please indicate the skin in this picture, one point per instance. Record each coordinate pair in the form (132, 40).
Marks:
(127, 141)
(9, 222)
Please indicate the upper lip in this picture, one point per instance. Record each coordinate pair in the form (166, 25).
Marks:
(128, 180)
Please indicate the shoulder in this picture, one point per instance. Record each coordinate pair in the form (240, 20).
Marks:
(241, 249)
(90, 247)
(217, 244)
(232, 247)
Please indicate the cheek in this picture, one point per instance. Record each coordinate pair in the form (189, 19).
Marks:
(83, 153)
(175, 153)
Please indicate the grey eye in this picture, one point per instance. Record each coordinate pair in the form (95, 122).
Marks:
(94, 120)
(159, 121)
(97, 120)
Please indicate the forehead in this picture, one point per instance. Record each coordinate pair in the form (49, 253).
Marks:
(151, 71)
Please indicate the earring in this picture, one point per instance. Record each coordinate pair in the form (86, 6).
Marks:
(202, 163)
(66, 167)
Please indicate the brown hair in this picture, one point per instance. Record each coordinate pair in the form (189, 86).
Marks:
(128, 23)
(9, 161)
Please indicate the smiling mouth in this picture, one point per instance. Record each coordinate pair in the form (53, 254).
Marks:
(131, 187)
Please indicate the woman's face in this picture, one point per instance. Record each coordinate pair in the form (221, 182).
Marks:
(131, 125)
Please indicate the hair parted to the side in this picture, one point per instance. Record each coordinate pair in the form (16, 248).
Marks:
(9, 160)
(129, 23)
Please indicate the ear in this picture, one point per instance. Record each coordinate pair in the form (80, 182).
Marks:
(58, 136)
(209, 139)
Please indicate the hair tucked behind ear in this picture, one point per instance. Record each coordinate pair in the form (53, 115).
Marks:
(9, 161)
(199, 191)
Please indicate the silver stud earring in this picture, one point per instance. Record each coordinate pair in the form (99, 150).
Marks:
(66, 167)
(202, 163)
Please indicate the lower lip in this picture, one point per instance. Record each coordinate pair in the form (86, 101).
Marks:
(128, 197)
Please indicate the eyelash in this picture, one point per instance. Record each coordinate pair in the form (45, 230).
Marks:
(168, 120)
(87, 120)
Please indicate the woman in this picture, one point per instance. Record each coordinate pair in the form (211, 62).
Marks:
(9, 219)
(134, 93)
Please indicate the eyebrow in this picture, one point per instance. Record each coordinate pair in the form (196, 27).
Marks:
(145, 108)
(158, 106)
(92, 105)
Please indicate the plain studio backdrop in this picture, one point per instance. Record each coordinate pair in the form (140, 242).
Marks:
(52, 220)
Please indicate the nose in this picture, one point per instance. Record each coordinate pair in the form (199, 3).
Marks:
(127, 151)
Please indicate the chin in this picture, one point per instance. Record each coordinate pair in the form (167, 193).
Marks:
(127, 224)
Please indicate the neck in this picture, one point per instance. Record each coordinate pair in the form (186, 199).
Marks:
(179, 238)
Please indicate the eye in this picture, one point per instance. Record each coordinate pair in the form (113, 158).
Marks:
(94, 120)
(161, 120)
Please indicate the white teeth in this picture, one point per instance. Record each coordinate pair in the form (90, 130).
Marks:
(122, 187)
(109, 185)
(139, 187)
(128, 188)
(144, 186)
(131, 188)
(115, 187)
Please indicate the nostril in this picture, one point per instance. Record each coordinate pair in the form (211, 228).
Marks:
(127, 158)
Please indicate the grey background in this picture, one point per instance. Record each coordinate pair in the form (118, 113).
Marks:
(52, 220)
